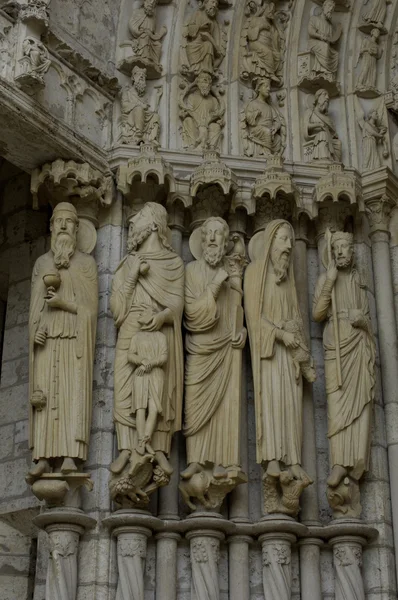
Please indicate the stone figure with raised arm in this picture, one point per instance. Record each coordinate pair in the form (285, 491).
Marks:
(62, 328)
(323, 34)
(320, 130)
(215, 337)
(147, 302)
(349, 372)
(280, 358)
(204, 45)
(147, 43)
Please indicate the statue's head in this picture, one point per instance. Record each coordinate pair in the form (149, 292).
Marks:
(321, 100)
(215, 238)
(263, 87)
(375, 33)
(151, 218)
(149, 7)
(204, 82)
(64, 224)
(138, 78)
(281, 250)
(211, 8)
(342, 249)
(373, 116)
(328, 8)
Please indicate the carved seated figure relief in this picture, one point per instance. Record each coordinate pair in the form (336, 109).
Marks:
(147, 303)
(138, 122)
(263, 126)
(322, 142)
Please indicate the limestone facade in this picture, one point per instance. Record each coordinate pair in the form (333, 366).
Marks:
(246, 111)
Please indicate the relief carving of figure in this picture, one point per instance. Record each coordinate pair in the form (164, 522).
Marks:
(263, 126)
(202, 111)
(323, 35)
(369, 55)
(374, 142)
(204, 44)
(375, 16)
(147, 44)
(341, 297)
(62, 327)
(320, 132)
(147, 302)
(37, 56)
(138, 122)
(215, 337)
(276, 335)
(262, 43)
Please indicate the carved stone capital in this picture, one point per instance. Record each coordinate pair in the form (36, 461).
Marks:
(37, 11)
(339, 184)
(378, 211)
(212, 171)
(148, 168)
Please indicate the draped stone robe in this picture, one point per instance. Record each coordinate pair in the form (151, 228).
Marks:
(212, 408)
(162, 287)
(326, 58)
(202, 54)
(349, 407)
(62, 369)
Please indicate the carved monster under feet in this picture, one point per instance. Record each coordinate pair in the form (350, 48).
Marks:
(208, 487)
(282, 492)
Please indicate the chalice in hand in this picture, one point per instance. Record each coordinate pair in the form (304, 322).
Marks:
(52, 281)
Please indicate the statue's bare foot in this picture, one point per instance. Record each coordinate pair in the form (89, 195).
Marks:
(68, 466)
(118, 465)
(190, 470)
(337, 474)
(163, 462)
(149, 449)
(299, 473)
(273, 469)
(42, 466)
(219, 472)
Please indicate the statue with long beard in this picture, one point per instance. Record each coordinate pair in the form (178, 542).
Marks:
(62, 328)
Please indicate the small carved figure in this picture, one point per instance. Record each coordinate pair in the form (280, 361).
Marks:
(262, 41)
(376, 14)
(320, 131)
(263, 126)
(62, 326)
(37, 54)
(147, 44)
(138, 122)
(202, 112)
(373, 138)
(147, 303)
(271, 305)
(349, 346)
(322, 36)
(215, 337)
(369, 55)
(204, 45)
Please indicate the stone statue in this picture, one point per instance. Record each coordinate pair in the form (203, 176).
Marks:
(375, 16)
(204, 45)
(36, 58)
(369, 55)
(62, 328)
(202, 111)
(138, 122)
(373, 139)
(263, 126)
(322, 36)
(276, 335)
(340, 297)
(262, 43)
(215, 337)
(147, 44)
(320, 132)
(147, 302)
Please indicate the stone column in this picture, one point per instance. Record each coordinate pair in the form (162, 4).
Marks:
(64, 528)
(131, 555)
(205, 551)
(239, 571)
(166, 565)
(347, 558)
(310, 572)
(378, 211)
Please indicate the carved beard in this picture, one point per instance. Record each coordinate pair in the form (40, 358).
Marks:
(140, 86)
(205, 89)
(213, 256)
(63, 247)
(280, 264)
(343, 263)
(137, 237)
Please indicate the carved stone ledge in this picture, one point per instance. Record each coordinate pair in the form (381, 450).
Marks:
(310, 83)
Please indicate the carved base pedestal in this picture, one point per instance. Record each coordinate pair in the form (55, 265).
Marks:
(58, 489)
(64, 528)
(205, 549)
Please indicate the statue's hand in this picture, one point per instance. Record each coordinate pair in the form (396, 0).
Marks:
(54, 300)
(357, 318)
(135, 269)
(331, 273)
(240, 340)
(220, 277)
(155, 323)
(140, 370)
(40, 337)
(289, 339)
